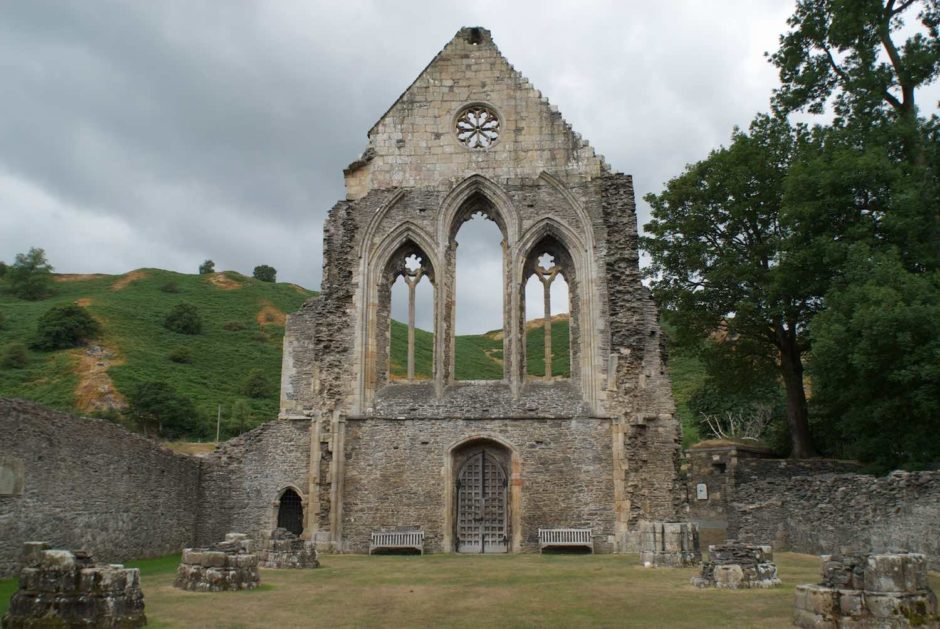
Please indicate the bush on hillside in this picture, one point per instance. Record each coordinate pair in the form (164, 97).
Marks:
(3, 268)
(183, 318)
(31, 275)
(65, 326)
(265, 273)
(14, 356)
(181, 355)
(159, 410)
(256, 385)
(170, 287)
(207, 267)
(233, 326)
(3, 320)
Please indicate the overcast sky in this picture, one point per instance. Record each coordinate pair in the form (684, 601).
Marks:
(159, 134)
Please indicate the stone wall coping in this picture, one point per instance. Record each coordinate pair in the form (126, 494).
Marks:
(723, 445)
(481, 418)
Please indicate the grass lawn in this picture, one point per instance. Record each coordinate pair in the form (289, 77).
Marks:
(461, 591)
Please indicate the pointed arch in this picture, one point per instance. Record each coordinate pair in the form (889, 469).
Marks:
(379, 268)
(478, 187)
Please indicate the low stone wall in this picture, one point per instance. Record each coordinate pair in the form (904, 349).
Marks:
(85, 483)
(838, 513)
(738, 566)
(283, 549)
(669, 544)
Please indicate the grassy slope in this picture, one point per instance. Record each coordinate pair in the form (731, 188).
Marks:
(132, 318)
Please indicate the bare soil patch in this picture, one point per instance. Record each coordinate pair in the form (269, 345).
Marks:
(127, 278)
(83, 302)
(95, 390)
(221, 280)
(270, 314)
(76, 277)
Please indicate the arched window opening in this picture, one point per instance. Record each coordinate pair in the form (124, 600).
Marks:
(479, 316)
(411, 338)
(548, 325)
(403, 348)
(290, 512)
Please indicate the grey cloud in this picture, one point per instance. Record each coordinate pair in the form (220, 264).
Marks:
(162, 133)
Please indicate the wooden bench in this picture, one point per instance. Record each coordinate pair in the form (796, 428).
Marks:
(565, 537)
(396, 540)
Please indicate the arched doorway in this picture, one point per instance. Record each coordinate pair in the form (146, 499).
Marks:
(481, 518)
(290, 512)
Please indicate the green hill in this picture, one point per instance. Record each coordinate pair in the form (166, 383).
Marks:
(243, 321)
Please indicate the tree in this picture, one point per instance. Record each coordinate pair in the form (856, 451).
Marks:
(848, 50)
(3, 268)
(875, 363)
(31, 275)
(241, 416)
(207, 267)
(265, 273)
(256, 385)
(65, 326)
(183, 318)
(160, 410)
(720, 258)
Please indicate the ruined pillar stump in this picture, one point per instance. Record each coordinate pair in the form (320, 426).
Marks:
(59, 588)
(862, 591)
(283, 549)
(734, 565)
(669, 544)
(228, 565)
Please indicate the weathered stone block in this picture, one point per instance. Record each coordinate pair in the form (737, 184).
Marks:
(896, 573)
(906, 601)
(63, 589)
(283, 549)
(225, 566)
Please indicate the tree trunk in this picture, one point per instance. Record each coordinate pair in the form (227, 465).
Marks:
(792, 369)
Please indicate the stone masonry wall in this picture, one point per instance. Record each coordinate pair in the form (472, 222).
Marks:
(91, 484)
(244, 477)
(838, 513)
(395, 475)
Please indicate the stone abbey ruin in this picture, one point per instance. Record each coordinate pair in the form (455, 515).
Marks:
(462, 466)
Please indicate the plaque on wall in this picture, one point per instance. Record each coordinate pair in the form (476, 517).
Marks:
(701, 491)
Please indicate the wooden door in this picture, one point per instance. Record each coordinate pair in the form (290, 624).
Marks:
(481, 505)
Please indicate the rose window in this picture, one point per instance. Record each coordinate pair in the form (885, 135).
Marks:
(478, 127)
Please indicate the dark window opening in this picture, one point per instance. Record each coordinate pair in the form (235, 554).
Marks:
(290, 512)
(719, 467)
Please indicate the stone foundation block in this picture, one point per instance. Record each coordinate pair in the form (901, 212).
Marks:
(225, 566)
(284, 549)
(896, 573)
(59, 588)
(734, 565)
(669, 544)
(905, 601)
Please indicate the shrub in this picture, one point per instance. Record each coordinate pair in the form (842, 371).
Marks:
(3, 268)
(31, 275)
(259, 337)
(233, 326)
(14, 356)
(241, 417)
(181, 355)
(159, 410)
(170, 287)
(265, 273)
(3, 320)
(207, 267)
(65, 326)
(256, 385)
(183, 318)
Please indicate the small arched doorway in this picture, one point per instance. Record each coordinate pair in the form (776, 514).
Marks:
(290, 512)
(481, 518)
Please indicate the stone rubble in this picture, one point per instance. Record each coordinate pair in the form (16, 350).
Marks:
(734, 565)
(228, 565)
(669, 544)
(285, 550)
(61, 588)
(862, 591)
